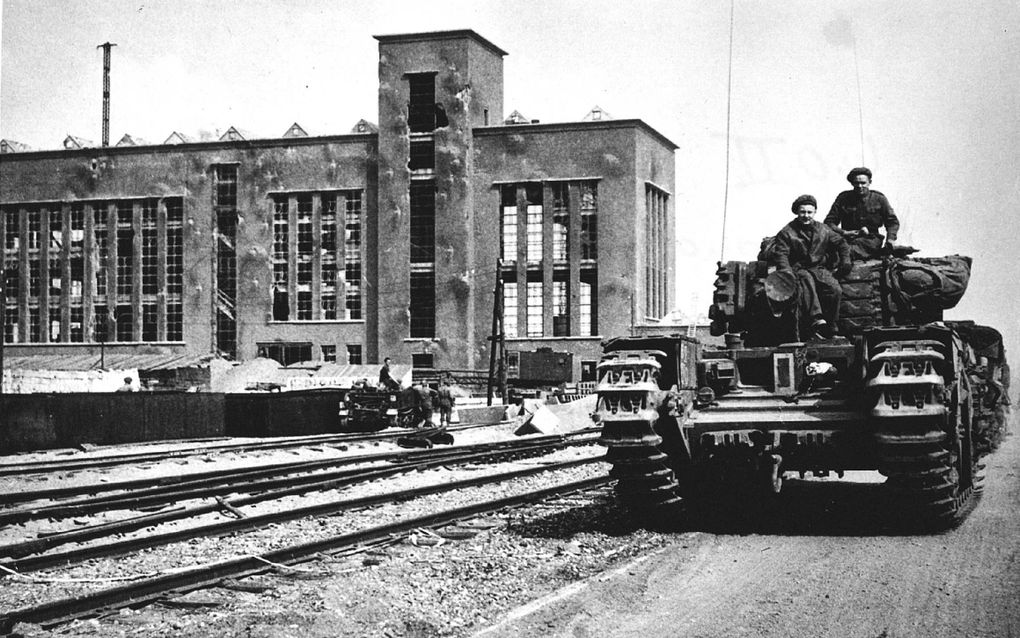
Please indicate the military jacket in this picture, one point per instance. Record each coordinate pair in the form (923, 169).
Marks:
(851, 212)
(799, 248)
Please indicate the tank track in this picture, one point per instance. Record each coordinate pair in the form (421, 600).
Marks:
(628, 408)
(923, 430)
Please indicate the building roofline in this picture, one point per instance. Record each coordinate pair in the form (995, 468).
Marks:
(190, 146)
(440, 35)
(575, 126)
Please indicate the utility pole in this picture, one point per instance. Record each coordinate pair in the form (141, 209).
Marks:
(6, 275)
(106, 46)
(3, 318)
(497, 345)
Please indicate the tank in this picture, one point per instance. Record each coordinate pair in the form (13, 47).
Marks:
(905, 393)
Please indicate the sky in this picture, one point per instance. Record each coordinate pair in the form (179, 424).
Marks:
(932, 87)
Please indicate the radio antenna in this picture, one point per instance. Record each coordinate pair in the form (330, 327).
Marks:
(860, 102)
(729, 91)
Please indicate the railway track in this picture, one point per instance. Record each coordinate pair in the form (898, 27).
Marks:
(112, 460)
(260, 492)
(147, 493)
(147, 590)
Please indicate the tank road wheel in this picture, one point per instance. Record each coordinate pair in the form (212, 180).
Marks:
(629, 403)
(930, 464)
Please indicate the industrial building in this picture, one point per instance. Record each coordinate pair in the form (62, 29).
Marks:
(384, 241)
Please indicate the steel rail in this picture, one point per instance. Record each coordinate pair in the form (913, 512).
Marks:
(124, 546)
(163, 490)
(44, 543)
(145, 591)
(39, 467)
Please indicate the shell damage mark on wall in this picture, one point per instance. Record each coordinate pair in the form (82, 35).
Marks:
(514, 144)
(612, 166)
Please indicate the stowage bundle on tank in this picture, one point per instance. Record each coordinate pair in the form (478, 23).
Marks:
(898, 390)
(876, 292)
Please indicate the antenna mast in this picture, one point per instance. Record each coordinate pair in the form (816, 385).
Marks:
(729, 90)
(106, 46)
(860, 104)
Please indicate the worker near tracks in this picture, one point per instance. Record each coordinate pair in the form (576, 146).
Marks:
(445, 402)
(425, 397)
(386, 381)
(859, 213)
(128, 386)
(806, 248)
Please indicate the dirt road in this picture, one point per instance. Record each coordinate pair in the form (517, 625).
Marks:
(823, 564)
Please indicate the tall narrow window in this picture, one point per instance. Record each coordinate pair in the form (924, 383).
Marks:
(508, 237)
(125, 325)
(421, 104)
(34, 221)
(54, 324)
(11, 328)
(561, 222)
(281, 250)
(149, 322)
(304, 257)
(423, 254)
(510, 308)
(327, 257)
(561, 311)
(34, 275)
(225, 207)
(175, 322)
(423, 222)
(77, 327)
(34, 324)
(534, 308)
(174, 268)
(655, 252)
(423, 304)
(585, 317)
(12, 237)
(589, 303)
(352, 254)
(589, 221)
(12, 285)
(100, 328)
(534, 222)
(125, 249)
(77, 256)
(102, 246)
(150, 251)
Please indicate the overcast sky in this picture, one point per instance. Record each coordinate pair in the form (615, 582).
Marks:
(939, 85)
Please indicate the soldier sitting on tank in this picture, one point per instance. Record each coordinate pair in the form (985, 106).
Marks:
(806, 247)
(858, 214)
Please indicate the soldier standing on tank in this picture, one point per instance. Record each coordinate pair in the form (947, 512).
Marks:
(805, 247)
(858, 214)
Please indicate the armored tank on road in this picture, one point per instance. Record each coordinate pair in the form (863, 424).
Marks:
(917, 398)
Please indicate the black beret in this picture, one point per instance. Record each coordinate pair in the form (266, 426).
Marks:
(860, 170)
(804, 199)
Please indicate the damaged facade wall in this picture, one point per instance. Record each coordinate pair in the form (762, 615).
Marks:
(621, 156)
(468, 156)
(463, 97)
(263, 167)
